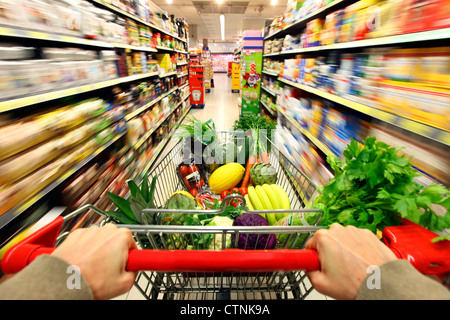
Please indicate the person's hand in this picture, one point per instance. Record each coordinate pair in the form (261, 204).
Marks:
(101, 254)
(345, 253)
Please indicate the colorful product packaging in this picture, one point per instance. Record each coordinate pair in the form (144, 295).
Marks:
(251, 81)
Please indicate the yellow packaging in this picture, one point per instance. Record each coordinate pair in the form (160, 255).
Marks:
(388, 23)
(435, 67)
(164, 61)
(348, 22)
(414, 101)
(403, 64)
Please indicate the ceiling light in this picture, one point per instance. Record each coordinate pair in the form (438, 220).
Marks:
(273, 2)
(219, 1)
(169, 1)
(222, 26)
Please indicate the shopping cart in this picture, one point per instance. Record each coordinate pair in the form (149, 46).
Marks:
(171, 269)
(175, 272)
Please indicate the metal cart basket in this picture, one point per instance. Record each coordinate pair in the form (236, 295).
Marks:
(250, 284)
(172, 270)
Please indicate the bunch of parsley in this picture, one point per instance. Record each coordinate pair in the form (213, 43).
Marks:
(373, 188)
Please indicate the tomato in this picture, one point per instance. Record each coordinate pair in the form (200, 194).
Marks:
(234, 190)
(184, 170)
(193, 168)
(243, 191)
(194, 192)
(199, 184)
(223, 194)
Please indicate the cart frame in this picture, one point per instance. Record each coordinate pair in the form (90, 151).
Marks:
(170, 269)
(288, 284)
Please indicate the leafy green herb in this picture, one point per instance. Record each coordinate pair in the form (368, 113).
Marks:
(196, 129)
(253, 124)
(373, 188)
(129, 211)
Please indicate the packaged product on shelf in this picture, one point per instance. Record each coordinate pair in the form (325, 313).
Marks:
(317, 118)
(135, 130)
(165, 63)
(426, 156)
(332, 27)
(25, 189)
(424, 104)
(133, 33)
(13, 13)
(313, 32)
(348, 22)
(339, 128)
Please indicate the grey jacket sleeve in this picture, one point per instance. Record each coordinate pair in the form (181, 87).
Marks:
(46, 278)
(399, 280)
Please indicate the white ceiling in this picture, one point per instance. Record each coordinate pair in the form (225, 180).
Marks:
(205, 14)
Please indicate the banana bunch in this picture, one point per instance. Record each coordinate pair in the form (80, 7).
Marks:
(268, 197)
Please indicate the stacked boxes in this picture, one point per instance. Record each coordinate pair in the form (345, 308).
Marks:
(253, 40)
(235, 77)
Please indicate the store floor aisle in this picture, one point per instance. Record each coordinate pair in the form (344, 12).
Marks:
(220, 104)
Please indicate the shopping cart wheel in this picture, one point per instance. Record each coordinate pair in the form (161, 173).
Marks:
(223, 295)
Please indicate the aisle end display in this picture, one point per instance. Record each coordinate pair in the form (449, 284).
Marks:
(251, 67)
(235, 77)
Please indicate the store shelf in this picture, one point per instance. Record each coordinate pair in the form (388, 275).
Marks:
(13, 213)
(184, 85)
(432, 35)
(182, 63)
(161, 145)
(148, 105)
(301, 22)
(121, 12)
(305, 132)
(271, 72)
(272, 112)
(15, 103)
(135, 48)
(168, 74)
(47, 36)
(273, 93)
(182, 74)
(164, 48)
(427, 131)
(163, 118)
(137, 77)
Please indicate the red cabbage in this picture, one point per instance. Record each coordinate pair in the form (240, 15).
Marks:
(256, 240)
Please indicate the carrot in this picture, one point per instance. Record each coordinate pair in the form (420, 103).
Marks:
(265, 157)
(250, 162)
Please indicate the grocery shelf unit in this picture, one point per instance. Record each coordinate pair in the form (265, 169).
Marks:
(23, 215)
(421, 39)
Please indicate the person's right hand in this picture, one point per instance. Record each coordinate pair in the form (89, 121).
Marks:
(102, 255)
(345, 253)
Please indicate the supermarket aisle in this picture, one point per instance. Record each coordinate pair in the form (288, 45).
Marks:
(220, 104)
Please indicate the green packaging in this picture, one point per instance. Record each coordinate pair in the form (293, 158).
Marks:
(251, 82)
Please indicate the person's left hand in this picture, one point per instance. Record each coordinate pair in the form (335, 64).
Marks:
(102, 255)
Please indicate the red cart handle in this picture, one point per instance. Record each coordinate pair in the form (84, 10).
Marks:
(228, 260)
(411, 242)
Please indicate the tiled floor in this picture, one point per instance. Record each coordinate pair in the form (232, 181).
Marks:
(220, 106)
